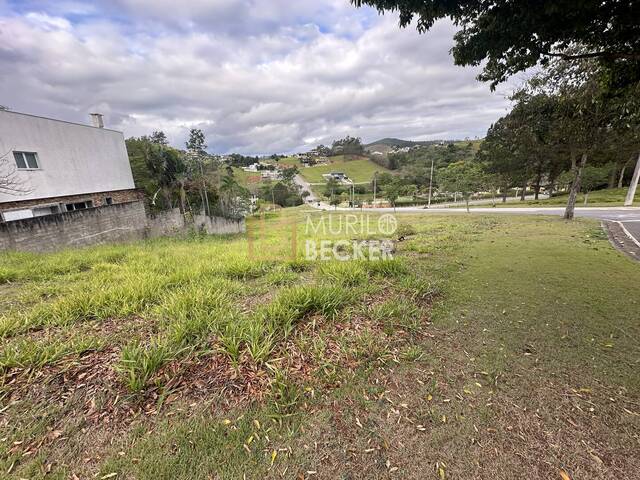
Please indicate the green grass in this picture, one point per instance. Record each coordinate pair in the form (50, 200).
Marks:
(359, 170)
(247, 179)
(483, 335)
(612, 197)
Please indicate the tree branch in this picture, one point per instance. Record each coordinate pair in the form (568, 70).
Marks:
(603, 54)
(10, 183)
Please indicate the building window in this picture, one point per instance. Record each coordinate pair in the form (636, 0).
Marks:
(26, 160)
(70, 207)
(108, 201)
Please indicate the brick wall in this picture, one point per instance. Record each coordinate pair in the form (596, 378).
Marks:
(98, 199)
(107, 224)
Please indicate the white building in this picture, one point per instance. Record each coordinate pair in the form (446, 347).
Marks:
(61, 166)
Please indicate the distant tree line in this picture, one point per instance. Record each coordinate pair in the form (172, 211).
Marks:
(190, 179)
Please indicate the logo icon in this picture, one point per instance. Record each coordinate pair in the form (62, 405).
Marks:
(387, 224)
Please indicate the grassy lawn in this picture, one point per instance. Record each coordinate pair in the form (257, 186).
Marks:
(358, 170)
(247, 178)
(488, 347)
(613, 197)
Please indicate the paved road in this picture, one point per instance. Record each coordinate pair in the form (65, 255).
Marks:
(304, 185)
(633, 228)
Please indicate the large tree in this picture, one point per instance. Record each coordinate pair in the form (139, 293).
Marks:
(508, 37)
(466, 178)
(197, 158)
(157, 169)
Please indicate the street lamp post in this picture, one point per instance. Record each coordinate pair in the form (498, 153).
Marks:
(430, 183)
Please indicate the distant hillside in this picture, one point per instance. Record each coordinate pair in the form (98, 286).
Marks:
(396, 142)
(386, 144)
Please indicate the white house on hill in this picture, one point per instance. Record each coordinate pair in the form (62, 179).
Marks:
(61, 166)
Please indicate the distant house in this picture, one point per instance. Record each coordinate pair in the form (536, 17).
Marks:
(251, 168)
(62, 166)
(258, 167)
(337, 176)
(270, 175)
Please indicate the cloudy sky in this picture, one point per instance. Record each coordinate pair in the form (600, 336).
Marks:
(258, 76)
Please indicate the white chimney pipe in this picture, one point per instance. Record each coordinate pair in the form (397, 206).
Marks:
(96, 120)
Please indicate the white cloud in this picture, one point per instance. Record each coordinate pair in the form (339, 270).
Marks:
(258, 76)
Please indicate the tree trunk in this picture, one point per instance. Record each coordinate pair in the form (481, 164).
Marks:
(537, 185)
(467, 202)
(523, 195)
(575, 186)
(621, 179)
(586, 198)
(504, 195)
(613, 174)
(634, 184)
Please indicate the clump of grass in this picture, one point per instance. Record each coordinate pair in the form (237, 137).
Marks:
(348, 274)
(29, 353)
(298, 265)
(396, 313)
(7, 275)
(189, 313)
(12, 323)
(139, 363)
(405, 230)
(419, 288)
(232, 337)
(285, 393)
(412, 353)
(297, 302)
(102, 298)
(260, 341)
(280, 277)
(390, 267)
(246, 269)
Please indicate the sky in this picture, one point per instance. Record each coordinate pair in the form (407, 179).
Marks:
(257, 76)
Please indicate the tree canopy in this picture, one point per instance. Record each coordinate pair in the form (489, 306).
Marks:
(508, 37)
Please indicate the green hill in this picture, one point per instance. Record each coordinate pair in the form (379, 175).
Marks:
(396, 142)
(360, 169)
(388, 143)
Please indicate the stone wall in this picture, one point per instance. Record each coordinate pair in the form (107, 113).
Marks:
(107, 224)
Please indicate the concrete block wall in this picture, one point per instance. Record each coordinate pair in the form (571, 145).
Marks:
(219, 225)
(107, 224)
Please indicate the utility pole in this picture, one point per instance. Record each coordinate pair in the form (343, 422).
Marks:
(430, 183)
(634, 185)
(353, 193)
(375, 186)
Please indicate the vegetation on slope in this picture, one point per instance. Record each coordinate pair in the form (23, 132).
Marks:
(358, 169)
(236, 365)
